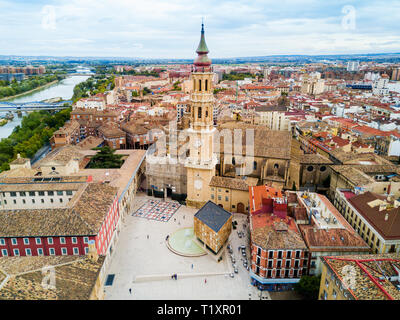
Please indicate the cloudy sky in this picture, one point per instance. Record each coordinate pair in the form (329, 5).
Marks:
(171, 28)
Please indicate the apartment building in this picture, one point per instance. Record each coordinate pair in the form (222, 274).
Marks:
(323, 229)
(273, 117)
(375, 217)
(62, 230)
(278, 252)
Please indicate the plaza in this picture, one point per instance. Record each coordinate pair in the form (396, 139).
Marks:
(143, 262)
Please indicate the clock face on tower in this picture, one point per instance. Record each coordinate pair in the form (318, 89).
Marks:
(198, 184)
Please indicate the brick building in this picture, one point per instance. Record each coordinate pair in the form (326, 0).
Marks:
(65, 230)
(68, 134)
(277, 248)
(323, 229)
(113, 136)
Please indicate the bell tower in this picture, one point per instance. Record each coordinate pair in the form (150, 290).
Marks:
(201, 162)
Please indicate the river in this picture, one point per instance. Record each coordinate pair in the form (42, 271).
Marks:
(63, 89)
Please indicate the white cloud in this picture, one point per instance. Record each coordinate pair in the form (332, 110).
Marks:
(163, 29)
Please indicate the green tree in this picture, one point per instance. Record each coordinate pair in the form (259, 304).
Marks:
(146, 91)
(308, 287)
(105, 158)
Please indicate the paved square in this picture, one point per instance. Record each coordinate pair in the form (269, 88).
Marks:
(157, 210)
(143, 263)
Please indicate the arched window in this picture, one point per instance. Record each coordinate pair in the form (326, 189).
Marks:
(206, 85)
(276, 166)
(255, 165)
(233, 161)
(199, 85)
(199, 112)
(206, 112)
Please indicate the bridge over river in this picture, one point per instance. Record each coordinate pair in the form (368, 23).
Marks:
(33, 105)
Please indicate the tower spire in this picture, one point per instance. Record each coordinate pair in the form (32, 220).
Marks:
(202, 59)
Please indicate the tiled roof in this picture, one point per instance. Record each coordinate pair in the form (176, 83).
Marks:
(111, 129)
(20, 161)
(390, 228)
(267, 143)
(268, 233)
(233, 183)
(81, 219)
(76, 277)
(332, 239)
(370, 282)
(62, 155)
(314, 158)
(90, 142)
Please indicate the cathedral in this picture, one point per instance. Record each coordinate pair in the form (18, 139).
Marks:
(209, 171)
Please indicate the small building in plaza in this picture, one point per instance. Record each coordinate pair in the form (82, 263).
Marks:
(212, 226)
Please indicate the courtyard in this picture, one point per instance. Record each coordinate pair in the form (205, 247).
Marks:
(143, 263)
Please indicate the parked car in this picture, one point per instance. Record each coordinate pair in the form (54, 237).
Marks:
(233, 260)
(231, 275)
(236, 270)
(242, 247)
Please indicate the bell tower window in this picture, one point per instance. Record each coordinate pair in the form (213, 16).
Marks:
(199, 85)
(199, 112)
(206, 89)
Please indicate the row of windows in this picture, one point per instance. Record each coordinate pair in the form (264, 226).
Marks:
(289, 254)
(39, 251)
(288, 263)
(34, 201)
(40, 193)
(50, 240)
(280, 273)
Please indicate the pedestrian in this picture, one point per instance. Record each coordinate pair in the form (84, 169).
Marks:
(205, 280)
(130, 291)
(192, 265)
(147, 236)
